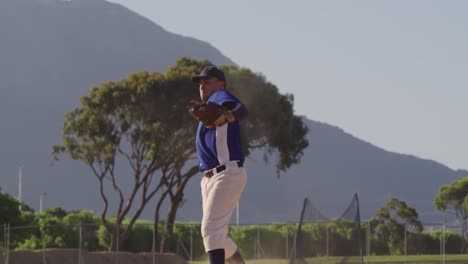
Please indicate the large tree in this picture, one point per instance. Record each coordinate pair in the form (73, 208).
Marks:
(455, 196)
(143, 121)
(124, 130)
(271, 125)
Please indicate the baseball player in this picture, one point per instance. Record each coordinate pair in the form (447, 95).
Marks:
(218, 143)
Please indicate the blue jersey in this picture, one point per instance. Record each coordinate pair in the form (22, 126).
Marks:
(218, 145)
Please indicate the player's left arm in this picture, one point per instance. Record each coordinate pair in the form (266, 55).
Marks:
(236, 111)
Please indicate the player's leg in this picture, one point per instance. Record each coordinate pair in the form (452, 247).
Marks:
(216, 256)
(231, 250)
(232, 253)
(222, 192)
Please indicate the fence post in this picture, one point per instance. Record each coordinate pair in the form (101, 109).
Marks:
(44, 260)
(443, 237)
(327, 240)
(79, 243)
(153, 247)
(405, 243)
(4, 243)
(441, 242)
(191, 242)
(117, 238)
(255, 247)
(368, 244)
(287, 241)
(7, 231)
(258, 242)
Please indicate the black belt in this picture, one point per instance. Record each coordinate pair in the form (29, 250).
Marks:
(220, 168)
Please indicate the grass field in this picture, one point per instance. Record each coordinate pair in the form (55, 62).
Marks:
(422, 259)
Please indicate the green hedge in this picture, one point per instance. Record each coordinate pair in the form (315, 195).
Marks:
(271, 241)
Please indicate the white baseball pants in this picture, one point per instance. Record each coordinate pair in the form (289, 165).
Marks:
(220, 195)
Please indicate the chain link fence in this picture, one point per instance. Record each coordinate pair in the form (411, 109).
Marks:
(266, 241)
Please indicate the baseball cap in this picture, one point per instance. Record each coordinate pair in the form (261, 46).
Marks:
(208, 72)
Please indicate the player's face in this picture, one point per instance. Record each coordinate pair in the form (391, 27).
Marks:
(208, 87)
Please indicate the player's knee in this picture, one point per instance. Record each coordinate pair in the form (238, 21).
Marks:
(213, 233)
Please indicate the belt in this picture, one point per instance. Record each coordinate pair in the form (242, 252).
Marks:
(220, 168)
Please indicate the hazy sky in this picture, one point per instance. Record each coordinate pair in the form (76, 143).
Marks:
(393, 73)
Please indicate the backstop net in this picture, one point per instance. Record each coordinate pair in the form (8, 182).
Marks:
(318, 236)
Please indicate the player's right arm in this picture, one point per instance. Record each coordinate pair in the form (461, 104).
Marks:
(236, 111)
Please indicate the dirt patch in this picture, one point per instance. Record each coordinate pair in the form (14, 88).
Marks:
(72, 256)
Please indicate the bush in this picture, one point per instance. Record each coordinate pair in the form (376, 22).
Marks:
(140, 238)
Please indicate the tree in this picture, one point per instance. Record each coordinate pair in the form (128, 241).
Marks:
(9, 209)
(455, 196)
(136, 121)
(57, 212)
(85, 222)
(271, 124)
(392, 221)
(143, 121)
(405, 215)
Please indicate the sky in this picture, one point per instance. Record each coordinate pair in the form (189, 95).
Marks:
(393, 73)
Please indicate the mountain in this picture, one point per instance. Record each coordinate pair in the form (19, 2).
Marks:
(53, 51)
(336, 165)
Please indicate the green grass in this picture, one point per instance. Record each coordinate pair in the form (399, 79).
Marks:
(420, 259)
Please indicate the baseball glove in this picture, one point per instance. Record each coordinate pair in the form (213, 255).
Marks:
(210, 114)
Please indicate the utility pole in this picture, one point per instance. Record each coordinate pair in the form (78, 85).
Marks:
(41, 201)
(20, 188)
